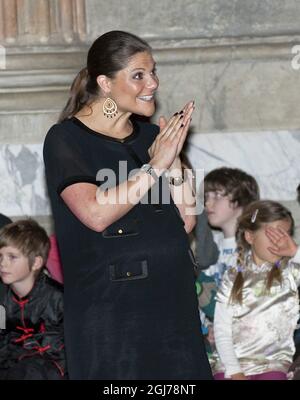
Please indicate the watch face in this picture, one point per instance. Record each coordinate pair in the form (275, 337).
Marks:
(177, 181)
(146, 167)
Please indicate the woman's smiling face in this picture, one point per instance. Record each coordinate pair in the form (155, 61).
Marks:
(134, 86)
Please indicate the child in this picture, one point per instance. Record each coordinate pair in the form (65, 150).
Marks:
(206, 252)
(294, 371)
(31, 345)
(297, 332)
(257, 303)
(226, 192)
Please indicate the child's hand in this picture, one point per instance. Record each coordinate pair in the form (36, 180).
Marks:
(283, 244)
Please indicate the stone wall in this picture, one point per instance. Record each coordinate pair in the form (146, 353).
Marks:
(45, 44)
(232, 56)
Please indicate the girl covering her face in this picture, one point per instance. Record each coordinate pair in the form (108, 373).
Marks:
(257, 303)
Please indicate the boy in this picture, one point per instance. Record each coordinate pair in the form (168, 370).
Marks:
(31, 345)
(226, 192)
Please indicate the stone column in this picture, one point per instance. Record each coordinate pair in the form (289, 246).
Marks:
(8, 21)
(44, 42)
(34, 22)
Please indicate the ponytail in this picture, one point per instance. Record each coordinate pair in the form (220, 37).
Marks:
(275, 273)
(236, 295)
(79, 96)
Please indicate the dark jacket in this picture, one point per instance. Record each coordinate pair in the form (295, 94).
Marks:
(207, 252)
(32, 343)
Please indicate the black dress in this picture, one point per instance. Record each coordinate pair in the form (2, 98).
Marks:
(130, 301)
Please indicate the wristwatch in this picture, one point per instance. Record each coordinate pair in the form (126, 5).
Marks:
(176, 180)
(150, 171)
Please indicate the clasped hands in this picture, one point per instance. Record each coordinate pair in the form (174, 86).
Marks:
(165, 150)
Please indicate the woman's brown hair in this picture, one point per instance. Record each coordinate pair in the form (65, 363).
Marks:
(108, 54)
(253, 217)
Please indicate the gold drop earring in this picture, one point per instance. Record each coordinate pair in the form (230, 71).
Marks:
(110, 108)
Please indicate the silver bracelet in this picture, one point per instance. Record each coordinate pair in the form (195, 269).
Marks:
(150, 171)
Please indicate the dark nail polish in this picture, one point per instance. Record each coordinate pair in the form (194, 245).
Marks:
(175, 114)
(182, 125)
(181, 116)
(181, 112)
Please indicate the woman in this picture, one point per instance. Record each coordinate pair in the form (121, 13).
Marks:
(130, 303)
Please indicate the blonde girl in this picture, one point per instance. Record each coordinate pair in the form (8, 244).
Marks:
(257, 304)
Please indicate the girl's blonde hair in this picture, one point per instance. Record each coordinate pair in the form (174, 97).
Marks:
(252, 219)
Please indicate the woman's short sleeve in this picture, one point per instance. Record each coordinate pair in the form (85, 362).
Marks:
(65, 159)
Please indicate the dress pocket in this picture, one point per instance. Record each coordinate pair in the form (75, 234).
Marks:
(128, 271)
(118, 229)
